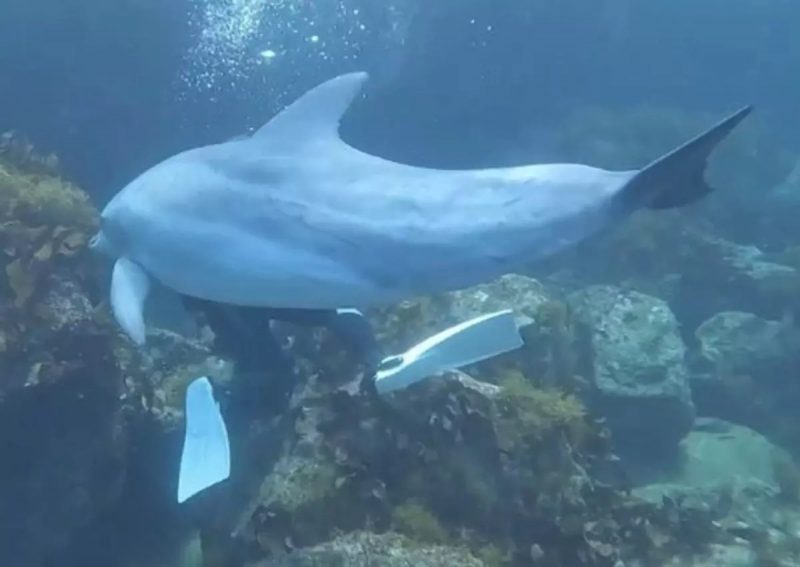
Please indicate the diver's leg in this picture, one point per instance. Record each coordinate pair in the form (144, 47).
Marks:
(265, 375)
(353, 327)
(348, 324)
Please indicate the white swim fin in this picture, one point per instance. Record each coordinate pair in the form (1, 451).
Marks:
(468, 342)
(206, 458)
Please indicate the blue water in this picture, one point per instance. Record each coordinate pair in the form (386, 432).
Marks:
(114, 86)
(97, 82)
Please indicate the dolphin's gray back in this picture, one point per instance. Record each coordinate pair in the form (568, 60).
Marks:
(412, 227)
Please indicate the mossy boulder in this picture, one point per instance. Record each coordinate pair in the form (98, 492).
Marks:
(400, 325)
(450, 456)
(365, 549)
(739, 369)
(635, 359)
(63, 423)
(740, 479)
(417, 522)
(44, 223)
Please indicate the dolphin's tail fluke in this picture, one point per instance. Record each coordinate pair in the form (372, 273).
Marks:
(678, 178)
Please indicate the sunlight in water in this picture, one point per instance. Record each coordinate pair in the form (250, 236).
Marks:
(233, 39)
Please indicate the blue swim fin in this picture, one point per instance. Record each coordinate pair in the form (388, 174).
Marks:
(206, 458)
(466, 343)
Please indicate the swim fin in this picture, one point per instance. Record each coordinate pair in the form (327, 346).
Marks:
(205, 459)
(468, 342)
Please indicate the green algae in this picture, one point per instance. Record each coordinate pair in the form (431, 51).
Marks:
(493, 556)
(416, 521)
(302, 482)
(43, 220)
(534, 412)
(40, 200)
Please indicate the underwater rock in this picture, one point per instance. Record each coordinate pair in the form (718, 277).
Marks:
(733, 475)
(739, 372)
(717, 454)
(453, 464)
(718, 275)
(44, 225)
(445, 457)
(636, 366)
(365, 549)
(64, 450)
(676, 258)
(64, 305)
(170, 362)
(740, 365)
(156, 380)
(741, 342)
(62, 419)
(734, 554)
(523, 294)
(402, 325)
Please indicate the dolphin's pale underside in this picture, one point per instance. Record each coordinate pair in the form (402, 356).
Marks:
(295, 217)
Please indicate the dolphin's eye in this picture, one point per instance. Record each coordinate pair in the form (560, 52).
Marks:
(94, 240)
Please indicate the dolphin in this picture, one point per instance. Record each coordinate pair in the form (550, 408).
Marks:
(294, 217)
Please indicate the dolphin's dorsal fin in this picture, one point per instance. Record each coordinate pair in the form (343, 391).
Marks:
(315, 116)
(130, 286)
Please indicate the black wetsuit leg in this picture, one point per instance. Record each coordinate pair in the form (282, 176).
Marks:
(349, 325)
(244, 334)
(265, 375)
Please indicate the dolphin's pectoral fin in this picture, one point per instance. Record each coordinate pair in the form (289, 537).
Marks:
(130, 286)
(315, 116)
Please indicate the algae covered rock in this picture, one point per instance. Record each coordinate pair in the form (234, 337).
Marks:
(365, 549)
(743, 342)
(636, 366)
(733, 554)
(450, 456)
(417, 318)
(740, 370)
(62, 416)
(462, 469)
(718, 275)
(44, 225)
(717, 454)
(734, 475)
(170, 362)
(312, 489)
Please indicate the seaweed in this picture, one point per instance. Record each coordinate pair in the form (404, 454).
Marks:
(44, 222)
(493, 556)
(415, 520)
(534, 413)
